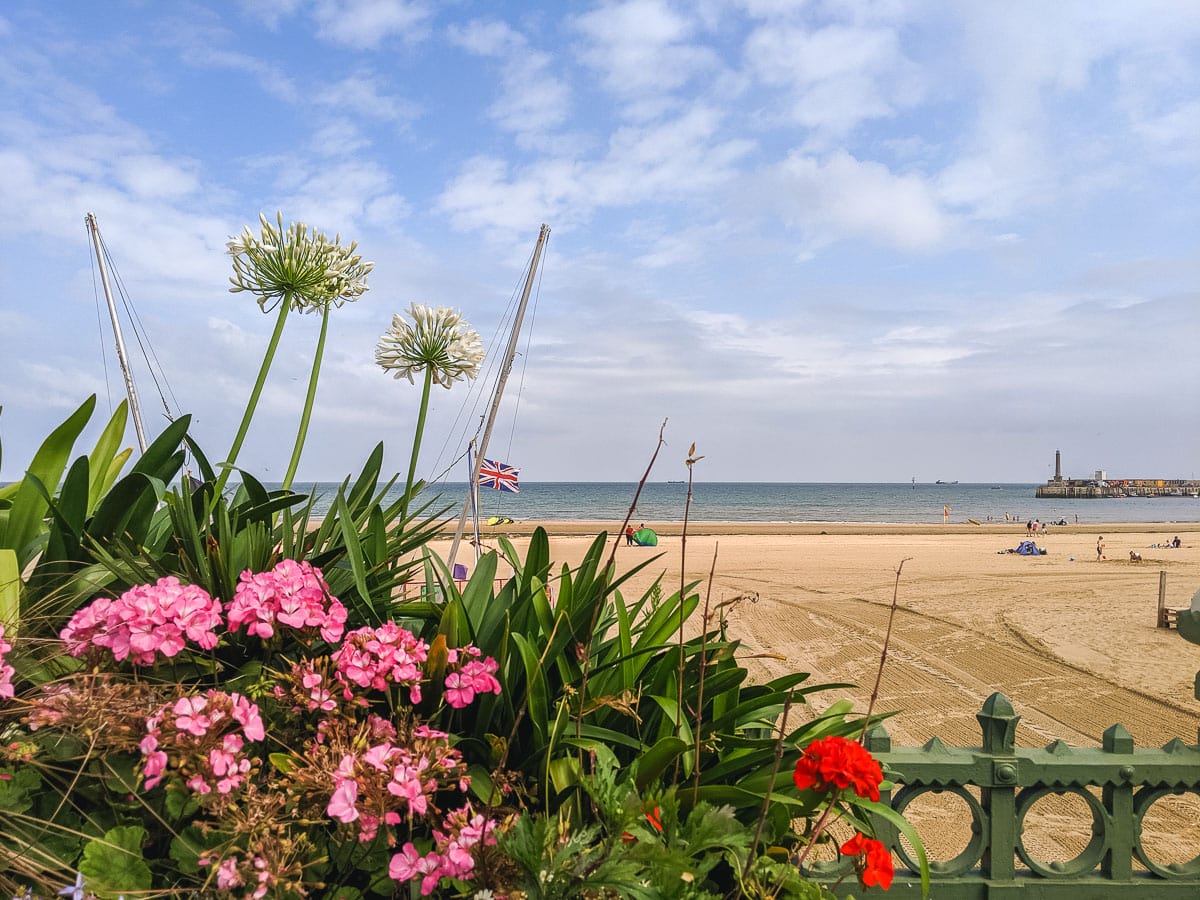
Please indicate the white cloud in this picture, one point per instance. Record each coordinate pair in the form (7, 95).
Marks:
(668, 161)
(153, 177)
(364, 95)
(338, 195)
(273, 82)
(836, 76)
(533, 100)
(840, 196)
(366, 24)
(271, 12)
(643, 50)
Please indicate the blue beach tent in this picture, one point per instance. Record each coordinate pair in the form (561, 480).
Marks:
(1029, 548)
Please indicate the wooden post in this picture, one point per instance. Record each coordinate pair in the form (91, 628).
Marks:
(1163, 621)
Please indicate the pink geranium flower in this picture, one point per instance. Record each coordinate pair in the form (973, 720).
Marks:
(292, 594)
(6, 671)
(146, 622)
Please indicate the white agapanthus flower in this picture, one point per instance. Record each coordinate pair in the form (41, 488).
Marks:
(305, 267)
(439, 340)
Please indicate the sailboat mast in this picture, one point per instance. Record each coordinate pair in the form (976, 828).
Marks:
(505, 368)
(130, 390)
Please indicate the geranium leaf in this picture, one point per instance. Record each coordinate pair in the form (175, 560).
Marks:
(282, 762)
(187, 847)
(16, 787)
(113, 865)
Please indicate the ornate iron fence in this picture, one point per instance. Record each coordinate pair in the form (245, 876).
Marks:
(1128, 782)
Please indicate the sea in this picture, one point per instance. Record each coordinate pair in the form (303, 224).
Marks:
(574, 501)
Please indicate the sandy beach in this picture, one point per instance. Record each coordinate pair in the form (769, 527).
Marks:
(972, 619)
(1070, 640)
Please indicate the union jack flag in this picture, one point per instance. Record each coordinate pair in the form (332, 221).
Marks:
(500, 476)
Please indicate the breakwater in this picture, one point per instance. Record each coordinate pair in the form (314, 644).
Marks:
(1093, 489)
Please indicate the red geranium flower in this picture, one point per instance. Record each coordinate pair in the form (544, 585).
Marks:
(654, 817)
(835, 762)
(874, 861)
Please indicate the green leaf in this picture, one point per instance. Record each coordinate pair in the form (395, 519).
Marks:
(29, 504)
(17, 787)
(654, 761)
(187, 847)
(162, 459)
(282, 762)
(10, 591)
(535, 687)
(104, 454)
(353, 550)
(565, 772)
(179, 802)
(114, 865)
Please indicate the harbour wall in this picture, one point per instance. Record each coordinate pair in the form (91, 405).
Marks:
(1090, 489)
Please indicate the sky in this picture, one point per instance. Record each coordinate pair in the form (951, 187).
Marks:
(823, 240)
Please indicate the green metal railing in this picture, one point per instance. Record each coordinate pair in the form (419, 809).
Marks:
(1120, 786)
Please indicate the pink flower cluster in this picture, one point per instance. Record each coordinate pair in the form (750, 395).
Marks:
(377, 657)
(6, 671)
(469, 674)
(198, 736)
(452, 856)
(389, 783)
(292, 594)
(234, 872)
(145, 621)
(308, 686)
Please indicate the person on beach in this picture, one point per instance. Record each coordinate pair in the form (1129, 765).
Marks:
(1029, 528)
(1099, 548)
(628, 535)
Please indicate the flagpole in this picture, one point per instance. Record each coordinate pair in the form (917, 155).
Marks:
(474, 494)
(505, 368)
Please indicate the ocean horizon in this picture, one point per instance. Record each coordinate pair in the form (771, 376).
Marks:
(786, 502)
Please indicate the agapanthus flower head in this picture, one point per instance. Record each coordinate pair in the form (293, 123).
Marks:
(296, 266)
(438, 340)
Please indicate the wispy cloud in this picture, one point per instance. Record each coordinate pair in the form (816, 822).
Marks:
(533, 100)
(644, 51)
(367, 24)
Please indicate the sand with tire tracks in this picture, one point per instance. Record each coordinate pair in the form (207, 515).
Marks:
(1070, 640)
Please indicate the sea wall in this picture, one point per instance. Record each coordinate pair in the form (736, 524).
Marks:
(1090, 489)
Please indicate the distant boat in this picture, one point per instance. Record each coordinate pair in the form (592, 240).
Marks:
(939, 481)
(680, 481)
(996, 487)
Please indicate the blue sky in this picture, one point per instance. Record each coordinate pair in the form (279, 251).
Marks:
(827, 241)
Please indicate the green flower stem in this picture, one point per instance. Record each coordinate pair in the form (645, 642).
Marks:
(284, 306)
(412, 466)
(313, 377)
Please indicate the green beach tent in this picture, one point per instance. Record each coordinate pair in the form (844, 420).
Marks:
(645, 537)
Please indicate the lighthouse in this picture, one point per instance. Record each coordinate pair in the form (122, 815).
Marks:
(1058, 465)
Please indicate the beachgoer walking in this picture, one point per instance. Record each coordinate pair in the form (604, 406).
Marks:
(1099, 548)
(1029, 528)
(628, 535)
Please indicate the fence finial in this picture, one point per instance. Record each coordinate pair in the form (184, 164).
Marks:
(999, 724)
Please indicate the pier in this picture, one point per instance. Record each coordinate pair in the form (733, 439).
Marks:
(1092, 489)
(1100, 486)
